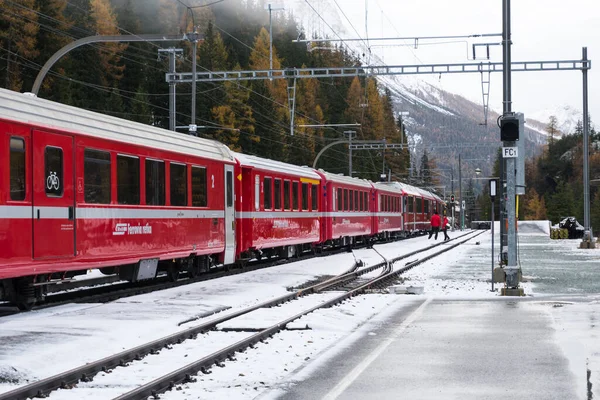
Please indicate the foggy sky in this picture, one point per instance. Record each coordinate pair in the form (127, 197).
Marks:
(542, 30)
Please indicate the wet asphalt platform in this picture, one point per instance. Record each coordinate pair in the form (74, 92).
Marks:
(437, 349)
(543, 346)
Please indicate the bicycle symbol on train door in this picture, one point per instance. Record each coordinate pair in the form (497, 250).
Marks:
(52, 182)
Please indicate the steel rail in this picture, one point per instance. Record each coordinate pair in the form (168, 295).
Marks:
(85, 372)
(184, 374)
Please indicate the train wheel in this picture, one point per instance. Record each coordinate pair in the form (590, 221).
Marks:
(191, 266)
(26, 305)
(25, 297)
(173, 272)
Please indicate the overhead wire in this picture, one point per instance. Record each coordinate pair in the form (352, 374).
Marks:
(31, 64)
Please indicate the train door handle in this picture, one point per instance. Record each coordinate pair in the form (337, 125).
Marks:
(71, 213)
(38, 213)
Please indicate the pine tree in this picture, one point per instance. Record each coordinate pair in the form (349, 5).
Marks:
(212, 57)
(18, 41)
(425, 169)
(561, 203)
(104, 22)
(552, 129)
(140, 107)
(532, 205)
(52, 36)
(237, 116)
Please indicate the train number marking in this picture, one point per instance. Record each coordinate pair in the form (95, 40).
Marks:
(212, 178)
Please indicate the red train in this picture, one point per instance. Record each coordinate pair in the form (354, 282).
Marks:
(81, 190)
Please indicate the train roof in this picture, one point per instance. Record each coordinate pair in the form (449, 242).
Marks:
(410, 190)
(346, 179)
(389, 187)
(404, 187)
(276, 166)
(28, 108)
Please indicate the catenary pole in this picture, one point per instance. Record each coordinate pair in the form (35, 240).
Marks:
(588, 235)
(511, 269)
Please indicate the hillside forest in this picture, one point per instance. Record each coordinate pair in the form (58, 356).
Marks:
(127, 80)
(554, 179)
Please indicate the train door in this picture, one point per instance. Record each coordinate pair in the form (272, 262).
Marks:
(229, 216)
(53, 196)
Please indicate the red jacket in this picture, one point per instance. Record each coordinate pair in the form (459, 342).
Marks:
(435, 221)
(445, 222)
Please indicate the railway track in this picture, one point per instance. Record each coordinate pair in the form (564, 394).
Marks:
(110, 288)
(321, 297)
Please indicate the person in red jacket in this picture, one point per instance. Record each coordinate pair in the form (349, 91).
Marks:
(445, 228)
(435, 224)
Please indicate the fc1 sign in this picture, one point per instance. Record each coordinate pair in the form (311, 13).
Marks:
(510, 152)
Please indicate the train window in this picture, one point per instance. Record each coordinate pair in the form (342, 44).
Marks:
(199, 193)
(345, 199)
(96, 176)
(294, 195)
(356, 200)
(340, 200)
(229, 189)
(257, 192)
(351, 202)
(277, 192)
(128, 179)
(315, 197)
(419, 204)
(53, 157)
(305, 196)
(366, 196)
(267, 193)
(155, 182)
(410, 204)
(286, 195)
(362, 202)
(17, 169)
(426, 208)
(178, 190)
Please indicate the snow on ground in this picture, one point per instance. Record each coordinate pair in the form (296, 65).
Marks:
(33, 344)
(71, 329)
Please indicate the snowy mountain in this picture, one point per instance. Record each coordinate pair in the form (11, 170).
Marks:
(441, 123)
(567, 117)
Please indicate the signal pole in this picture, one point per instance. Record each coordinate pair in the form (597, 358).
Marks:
(511, 270)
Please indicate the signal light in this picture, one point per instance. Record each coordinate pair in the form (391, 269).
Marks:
(452, 199)
(509, 128)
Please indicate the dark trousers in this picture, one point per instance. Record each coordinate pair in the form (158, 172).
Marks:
(435, 229)
(445, 230)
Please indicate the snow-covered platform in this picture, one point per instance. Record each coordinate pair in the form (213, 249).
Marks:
(453, 349)
(459, 340)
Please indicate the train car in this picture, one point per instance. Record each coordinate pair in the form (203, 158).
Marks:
(278, 212)
(81, 190)
(346, 207)
(388, 219)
